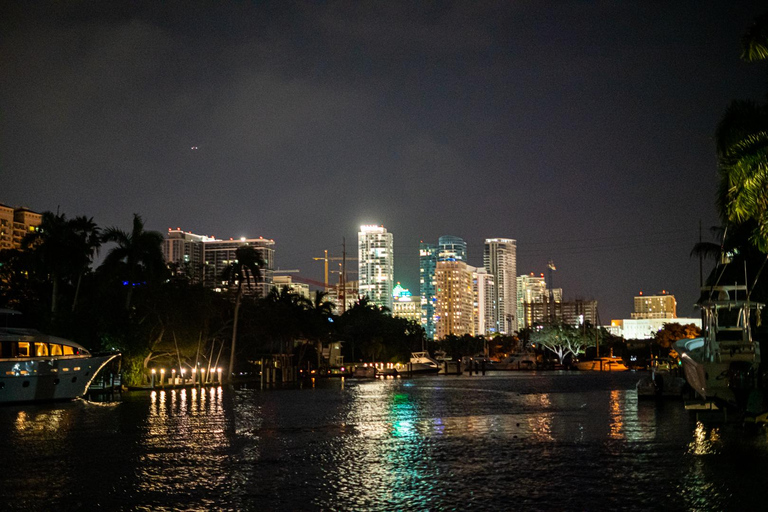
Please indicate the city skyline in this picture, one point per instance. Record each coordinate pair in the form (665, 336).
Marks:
(582, 130)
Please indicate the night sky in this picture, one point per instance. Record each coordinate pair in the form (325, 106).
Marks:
(584, 130)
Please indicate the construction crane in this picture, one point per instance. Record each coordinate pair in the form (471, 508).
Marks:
(326, 259)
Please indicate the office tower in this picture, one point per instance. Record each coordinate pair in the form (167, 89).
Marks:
(451, 248)
(500, 261)
(454, 311)
(375, 249)
(427, 262)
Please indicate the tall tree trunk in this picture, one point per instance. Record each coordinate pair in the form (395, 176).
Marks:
(234, 333)
(77, 291)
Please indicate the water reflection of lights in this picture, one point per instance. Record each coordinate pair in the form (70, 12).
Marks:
(189, 426)
(704, 443)
(540, 425)
(617, 415)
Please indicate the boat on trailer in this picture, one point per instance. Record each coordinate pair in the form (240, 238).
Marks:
(36, 367)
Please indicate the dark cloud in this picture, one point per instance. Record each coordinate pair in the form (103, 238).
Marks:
(582, 129)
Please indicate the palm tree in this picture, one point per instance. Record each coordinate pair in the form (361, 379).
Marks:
(63, 248)
(87, 235)
(742, 150)
(248, 265)
(137, 257)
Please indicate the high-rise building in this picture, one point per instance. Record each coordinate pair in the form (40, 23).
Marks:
(451, 248)
(15, 223)
(375, 249)
(454, 311)
(220, 253)
(482, 290)
(536, 303)
(184, 253)
(428, 298)
(203, 259)
(500, 261)
(662, 305)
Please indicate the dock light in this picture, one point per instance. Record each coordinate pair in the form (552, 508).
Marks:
(153, 377)
(218, 370)
(162, 376)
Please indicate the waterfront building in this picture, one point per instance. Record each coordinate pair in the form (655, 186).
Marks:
(405, 305)
(454, 310)
(375, 249)
(536, 304)
(646, 328)
(427, 295)
(482, 291)
(15, 223)
(500, 261)
(662, 305)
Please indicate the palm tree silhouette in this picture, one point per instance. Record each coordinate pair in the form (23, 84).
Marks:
(137, 257)
(248, 265)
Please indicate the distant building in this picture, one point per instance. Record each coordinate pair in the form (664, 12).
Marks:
(427, 295)
(537, 304)
(662, 305)
(350, 296)
(500, 261)
(375, 249)
(454, 313)
(184, 253)
(482, 291)
(579, 312)
(451, 248)
(286, 282)
(15, 223)
(204, 259)
(646, 328)
(405, 305)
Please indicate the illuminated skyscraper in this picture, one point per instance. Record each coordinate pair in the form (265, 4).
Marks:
(452, 248)
(427, 262)
(375, 249)
(500, 261)
(454, 312)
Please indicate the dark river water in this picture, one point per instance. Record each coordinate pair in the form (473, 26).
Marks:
(503, 441)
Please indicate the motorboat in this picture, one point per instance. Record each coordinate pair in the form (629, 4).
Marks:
(524, 361)
(37, 367)
(421, 362)
(663, 381)
(603, 364)
(722, 366)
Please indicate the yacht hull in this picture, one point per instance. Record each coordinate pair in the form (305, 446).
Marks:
(48, 379)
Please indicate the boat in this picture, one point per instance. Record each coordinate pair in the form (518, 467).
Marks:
(36, 367)
(603, 364)
(421, 362)
(524, 361)
(663, 381)
(722, 366)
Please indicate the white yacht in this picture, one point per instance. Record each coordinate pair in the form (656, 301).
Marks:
(722, 366)
(421, 362)
(37, 367)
